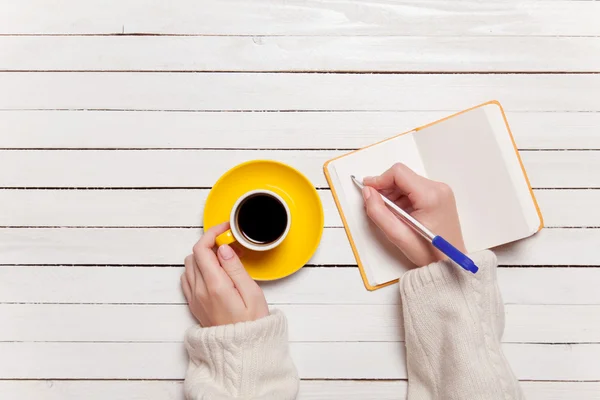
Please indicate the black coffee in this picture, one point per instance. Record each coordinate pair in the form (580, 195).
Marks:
(261, 218)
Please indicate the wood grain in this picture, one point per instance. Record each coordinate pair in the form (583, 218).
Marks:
(309, 390)
(184, 207)
(316, 53)
(333, 130)
(330, 360)
(307, 323)
(151, 285)
(332, 18)
(202, 168)
(296, 91)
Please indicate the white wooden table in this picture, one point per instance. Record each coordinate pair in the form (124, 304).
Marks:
(116, 116)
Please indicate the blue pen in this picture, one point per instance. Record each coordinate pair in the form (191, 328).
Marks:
(437, 241)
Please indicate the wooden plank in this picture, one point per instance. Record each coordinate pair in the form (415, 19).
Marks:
(126, 285)
(95, 390)
(184, 207)
(315, 53)
(179, 168)
(547, 248)
(174, 168)
(395, 390)
(551, 324)
(563, 169)
(149, 208)
(574, 208)
(271, 17)
(329, 360)
(156, 246)
(331, 130)
(308, 323)
(309, 390)
(92, 390)
(531, 363)
(296, 91)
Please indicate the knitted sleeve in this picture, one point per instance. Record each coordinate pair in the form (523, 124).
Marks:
(453, 323)
(248, 360)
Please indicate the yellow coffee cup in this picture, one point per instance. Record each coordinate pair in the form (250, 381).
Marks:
(259, 220)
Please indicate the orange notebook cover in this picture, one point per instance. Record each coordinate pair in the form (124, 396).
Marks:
(475, 153)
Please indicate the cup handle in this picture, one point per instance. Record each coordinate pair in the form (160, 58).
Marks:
(225, 238)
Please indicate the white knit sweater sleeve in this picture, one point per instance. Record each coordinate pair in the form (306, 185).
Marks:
(248, 360)
(453, 323)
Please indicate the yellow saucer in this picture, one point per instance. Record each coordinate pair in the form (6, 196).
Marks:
(305, 209)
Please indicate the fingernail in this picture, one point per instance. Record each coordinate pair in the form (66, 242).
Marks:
(226, 252)
(366, 193)
(368, 178)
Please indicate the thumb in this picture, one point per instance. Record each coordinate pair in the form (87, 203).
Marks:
(386, 220)
(237, 273)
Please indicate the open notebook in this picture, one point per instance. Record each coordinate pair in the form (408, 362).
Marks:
(473, 151)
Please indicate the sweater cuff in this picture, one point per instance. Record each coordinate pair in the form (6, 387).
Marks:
(241, 359)
(201, 342)
(445, 272)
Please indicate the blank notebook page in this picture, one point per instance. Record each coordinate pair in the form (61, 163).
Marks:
(464, 152)
(382, 261)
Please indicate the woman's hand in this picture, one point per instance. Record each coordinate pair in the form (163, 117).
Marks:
(216, 286)
(431, 203)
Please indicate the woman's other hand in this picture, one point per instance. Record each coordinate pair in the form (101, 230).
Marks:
(429, 202)
(216, 286)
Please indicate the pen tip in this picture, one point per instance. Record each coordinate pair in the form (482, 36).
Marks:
(356, 181)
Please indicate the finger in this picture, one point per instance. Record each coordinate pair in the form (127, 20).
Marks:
(389, 192)
(404, 203)
(394, 196)
(200, 289)
(397, 197)
(239, 250)
(190, 270)
(206, 259)
(394, 229)
(185, 286)
(398, 176)
(196, 282)
(238, 274)
(210, 235)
